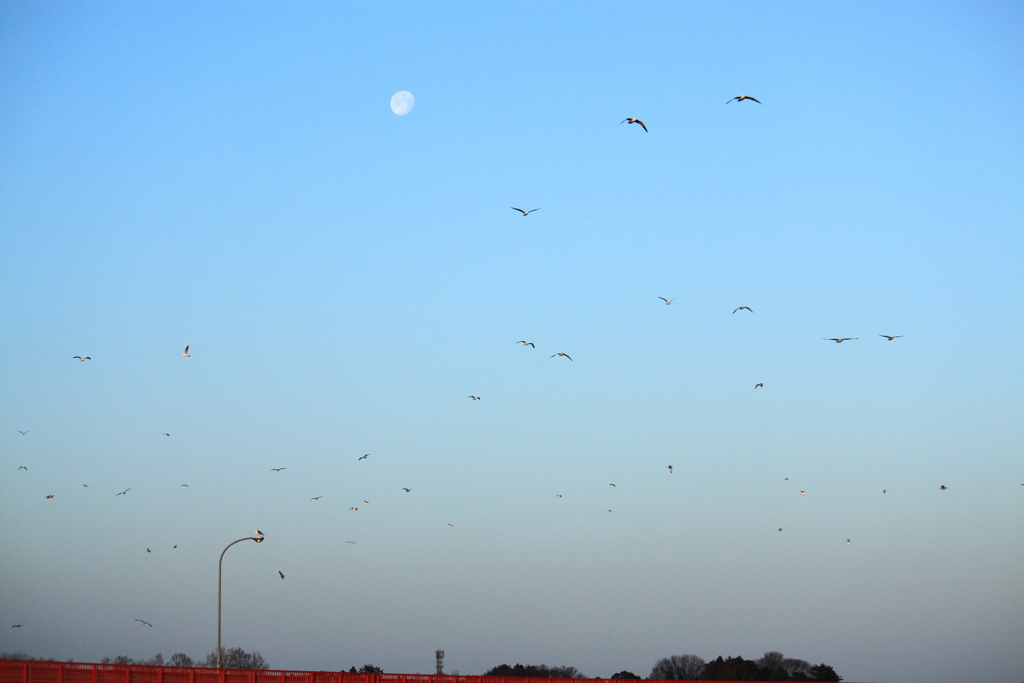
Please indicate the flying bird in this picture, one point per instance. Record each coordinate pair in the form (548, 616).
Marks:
(22, 433)
(759, 384)
(317, 498)
(277, 469)
(740, 98)
(525, 343)
(82, 360)
(366, 502)
(561, 354)
(85, 485)
(475, 398)
(185, 354)
(23, 468)
(612, 485)
(144, 622)
(352, 542)
(50, 497)
(123, 492)
(185, 485)
(364, 457)
(281, 574)
(450, 526)
(668, 301)
(780, 528)
(803, 493)
(743, 308)
(890, 338)
(609, 511)
(175, 546)
(839, 340)
(847, 541)
(407, 490)
(632, 121)
(671, 469)
(148, 550)
(941, 488)
(16, 626)
(883, 490)
(354, 509)
(166, 434)
(527, 213)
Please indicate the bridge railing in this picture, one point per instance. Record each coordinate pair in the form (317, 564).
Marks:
(18, 671)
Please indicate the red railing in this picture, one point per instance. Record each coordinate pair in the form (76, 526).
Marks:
(16, 671)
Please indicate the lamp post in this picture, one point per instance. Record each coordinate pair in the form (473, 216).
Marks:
(220, 570)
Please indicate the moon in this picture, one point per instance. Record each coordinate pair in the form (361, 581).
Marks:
(402, 102)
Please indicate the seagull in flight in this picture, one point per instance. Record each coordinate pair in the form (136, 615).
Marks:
(525, 343)
(352, 542)
(16, 626)
(281, 574)
(668, 302)
(22, 433)
(148, 550)
(407, 490)
(780, 528)
(890, 338)
(561, 354)
(123, 492)
(883, 490)
(941, 488)
(839, 340)
(317, 498)
(23, 468)
(366, 502)
(185, 485)
(277, 469)
(451, 526)
(744, 308)
(50, 497)
(847, 541)
(671, 469)
(363, 457)
(527, 213)
(475, 398)
(166, 434)
(559, 495)
(740, 98)
(85, 485)
(759, 384)
(613, 485)
(82, 360)
(632, 121)
(185, 354)
(354, 509)
(144, 622)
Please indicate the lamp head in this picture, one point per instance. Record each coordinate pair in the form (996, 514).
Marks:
(258, 539)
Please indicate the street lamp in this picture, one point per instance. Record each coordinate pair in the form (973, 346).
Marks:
(220, 569)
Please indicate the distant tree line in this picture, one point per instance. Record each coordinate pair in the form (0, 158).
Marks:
(230, 658)
(535, 671)
(773, 666)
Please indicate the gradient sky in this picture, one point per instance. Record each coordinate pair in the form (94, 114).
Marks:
(229, 176)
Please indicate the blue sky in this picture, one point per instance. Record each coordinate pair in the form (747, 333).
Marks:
(230, 176)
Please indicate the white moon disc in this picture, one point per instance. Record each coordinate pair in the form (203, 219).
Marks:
(402, 102)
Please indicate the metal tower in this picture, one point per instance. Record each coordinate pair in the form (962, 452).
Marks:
(439, 655)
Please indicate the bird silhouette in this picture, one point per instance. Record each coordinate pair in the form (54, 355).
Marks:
(740, 98)
(890, 338)
(144, 622)
(49, 497)
(166, 434)
(352, 542)
(259, 533)
(561, 354)
(15, 625)
(612, 485)
(148, 550)
(407, 490)
(185, 354)
(803, 493)
(23, 468)
(475, 398)
(366, 502)
(668, 301)
(526, 343)
(185, 485)
(632, 121)
(559, 495)
(317, 498)
(671, 469)
(743, 308)
(839, 340)
(82, 360)
(847, 541)
(780, 528)
(281, 574)
(277, 469)
(85, 485)
(354, 509)
(450, 526)
(527, 213)
(943, 487)
(759, 384)
(364, 457)
(22, 433)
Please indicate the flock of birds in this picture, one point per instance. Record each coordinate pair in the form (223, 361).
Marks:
(667, 301)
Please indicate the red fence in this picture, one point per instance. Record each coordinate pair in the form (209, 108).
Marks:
(17, 671)
(14, 671)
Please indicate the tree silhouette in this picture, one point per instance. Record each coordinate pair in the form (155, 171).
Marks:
(237, 658)
(535, 671)
(678, 668)
(626, 675)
